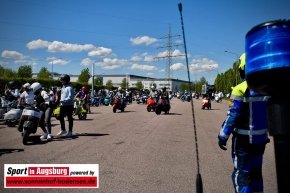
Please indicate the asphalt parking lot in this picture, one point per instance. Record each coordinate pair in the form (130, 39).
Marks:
(138, 151)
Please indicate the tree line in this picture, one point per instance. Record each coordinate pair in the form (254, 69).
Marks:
(224, 81)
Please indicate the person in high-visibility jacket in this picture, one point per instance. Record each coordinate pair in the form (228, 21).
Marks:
(247, 121)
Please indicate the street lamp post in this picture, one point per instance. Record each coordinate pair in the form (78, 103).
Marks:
(52, 59)
(236, 66)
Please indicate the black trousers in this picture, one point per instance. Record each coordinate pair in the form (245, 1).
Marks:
(66, 111)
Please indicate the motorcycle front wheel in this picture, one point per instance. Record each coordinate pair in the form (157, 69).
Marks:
(25, 137)
(114, 109)
(148, 109)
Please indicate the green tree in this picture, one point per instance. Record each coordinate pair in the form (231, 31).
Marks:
(139, 85)
(43, 73)
(109, 84)
(98, 81)
(2, 70)
(123, 84)
(24, 71)
(183, 87)
(84, 76)
(8, 73)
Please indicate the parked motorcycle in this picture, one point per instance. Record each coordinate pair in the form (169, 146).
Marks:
(162, 106)
(29, 121)
(6, 106)
(118, 104)
(12, 117)
(78, 110)
(107, 100)
(95, 101)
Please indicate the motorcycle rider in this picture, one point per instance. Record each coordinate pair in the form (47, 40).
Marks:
(27, 96)
(83, 94)
(66, 105)
(164, 94)
(121, 94)
(45, 106)
(153, 93)
(247, 121)
(11, 91)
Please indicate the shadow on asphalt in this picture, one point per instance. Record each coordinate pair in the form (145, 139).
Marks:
(76, 135)
(7, 151)
(125, 111)
(35, 140)
(172, 114)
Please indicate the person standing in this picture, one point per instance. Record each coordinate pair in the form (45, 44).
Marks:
(66, 105)
(247, 121)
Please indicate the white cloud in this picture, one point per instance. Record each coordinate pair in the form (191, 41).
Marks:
(136, 58)
(202, 65)
(18, 57)
(178, 66)
(179, 41)
(57, 46)
(149, 58)
(101, 52)
(87, 62)
(162, 70)
(1, 63)
(176, 54)
(57, 61)
(150, 74)
(111, 64)
(143, 67)
(37, 44)
(144, 39)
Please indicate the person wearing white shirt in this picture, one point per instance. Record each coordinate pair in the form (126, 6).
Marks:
(27, 96)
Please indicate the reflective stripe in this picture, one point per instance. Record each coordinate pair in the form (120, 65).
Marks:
(235, 97)
(223, 134)
(250, 132)
(256, 99)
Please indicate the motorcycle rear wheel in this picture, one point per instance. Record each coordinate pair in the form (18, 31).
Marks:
(25, 137)
(82, 116)
(157, 111)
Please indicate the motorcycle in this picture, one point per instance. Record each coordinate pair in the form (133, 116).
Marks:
(151, 104)
(12, 117)
(186, 98)
(216, 99)
(95, 101)
(29, 121)
(196, 96)
(162, 106)
(118, 104)
(107, 100)
(78, 110)
(6, 106)
(206, 104)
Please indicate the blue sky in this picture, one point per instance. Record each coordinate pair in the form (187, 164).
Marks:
(124, 36)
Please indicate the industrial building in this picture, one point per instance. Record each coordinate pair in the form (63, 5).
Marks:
(171, 84)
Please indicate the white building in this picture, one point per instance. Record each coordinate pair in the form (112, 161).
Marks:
(172, 84)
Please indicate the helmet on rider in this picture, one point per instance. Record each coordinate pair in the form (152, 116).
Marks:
(11, 85)
(65, 77)
(242, 64)
(83, 88)
(36, 87)
(164, 88)
(26, 86)
(119, 88)
(152, 87)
